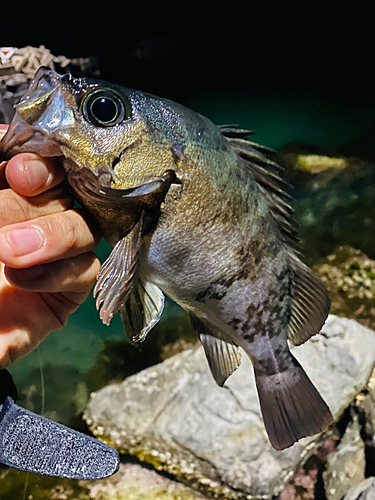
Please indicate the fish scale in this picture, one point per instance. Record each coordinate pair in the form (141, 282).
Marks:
(195, 212)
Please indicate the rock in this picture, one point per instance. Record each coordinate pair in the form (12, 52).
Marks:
(134, 482)
(365, 402)
(307, 483)
(349, 276)
(364, 491)
(314, 163)
(346, 466)
(333, 202)
(131, 482)
(173, 415)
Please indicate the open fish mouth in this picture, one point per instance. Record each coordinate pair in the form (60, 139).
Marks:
(22, 138)
(35, 117)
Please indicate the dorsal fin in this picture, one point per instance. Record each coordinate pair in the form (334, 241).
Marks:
(310, 306)
(269, 177)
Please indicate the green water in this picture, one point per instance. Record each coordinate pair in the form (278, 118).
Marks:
(280, 118)
(57, 378)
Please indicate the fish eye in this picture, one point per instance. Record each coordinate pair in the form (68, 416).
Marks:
(105, 108)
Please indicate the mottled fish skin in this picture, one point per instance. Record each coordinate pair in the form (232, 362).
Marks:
(210, 239)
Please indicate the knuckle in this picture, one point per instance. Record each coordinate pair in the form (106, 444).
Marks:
(63, 227)
(56, 199)
(11, 204)
(72, 232)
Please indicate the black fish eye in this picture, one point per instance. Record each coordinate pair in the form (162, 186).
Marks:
(105, 108)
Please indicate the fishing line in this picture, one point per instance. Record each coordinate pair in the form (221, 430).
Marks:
(42, 385)
(26, 485)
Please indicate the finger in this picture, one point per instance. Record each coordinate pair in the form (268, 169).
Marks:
(73, 277)
(47, 239)
(16, 208)
(29, 174)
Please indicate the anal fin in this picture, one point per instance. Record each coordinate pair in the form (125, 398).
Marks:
(142, 310)
(118, 275)
(223, 358)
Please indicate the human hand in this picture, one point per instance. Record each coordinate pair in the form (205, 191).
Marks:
(47, 267)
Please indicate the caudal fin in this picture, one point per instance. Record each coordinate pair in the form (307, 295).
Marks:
(292, 407)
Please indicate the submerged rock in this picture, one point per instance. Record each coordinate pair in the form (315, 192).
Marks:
(349, 276)
(315, 164)
(334, 202)
(173, 415)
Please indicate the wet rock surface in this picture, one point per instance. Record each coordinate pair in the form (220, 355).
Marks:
(333, 201)
(132, 482)
(174, 417)
(349, 276)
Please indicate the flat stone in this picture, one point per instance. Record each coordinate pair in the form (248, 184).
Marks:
(175, 417)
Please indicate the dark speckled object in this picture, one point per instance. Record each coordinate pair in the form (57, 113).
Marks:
(33, 443)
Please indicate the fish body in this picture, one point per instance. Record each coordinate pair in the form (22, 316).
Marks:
(195, 212)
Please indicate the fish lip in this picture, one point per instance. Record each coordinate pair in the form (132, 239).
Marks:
(25, 133)
(23, 138)
(43, 84)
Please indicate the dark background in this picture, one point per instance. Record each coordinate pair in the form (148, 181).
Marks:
(313, 54)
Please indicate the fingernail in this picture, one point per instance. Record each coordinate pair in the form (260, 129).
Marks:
(24, 241)
(37, 174)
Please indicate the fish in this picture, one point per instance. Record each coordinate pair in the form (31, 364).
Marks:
(195, 212)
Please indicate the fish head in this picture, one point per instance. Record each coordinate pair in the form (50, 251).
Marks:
(86, 121)
(102, 133)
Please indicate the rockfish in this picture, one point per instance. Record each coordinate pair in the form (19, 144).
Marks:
(193, 211)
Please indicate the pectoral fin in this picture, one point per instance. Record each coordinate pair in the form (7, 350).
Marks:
(118, 275)
(223, 358)
(142, 310)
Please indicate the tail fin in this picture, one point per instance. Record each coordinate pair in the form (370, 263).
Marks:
(292, 407)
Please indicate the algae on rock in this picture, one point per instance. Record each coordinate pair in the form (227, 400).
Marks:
(333, 202)
(349, 276)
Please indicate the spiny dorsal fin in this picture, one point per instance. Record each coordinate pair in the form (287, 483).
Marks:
(310, 305)
(142, 310)
(269, 177)
(223, 358)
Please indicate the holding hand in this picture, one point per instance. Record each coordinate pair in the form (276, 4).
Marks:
(47, 267)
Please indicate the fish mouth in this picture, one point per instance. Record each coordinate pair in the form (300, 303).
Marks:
(30, 128)
(22, 138)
